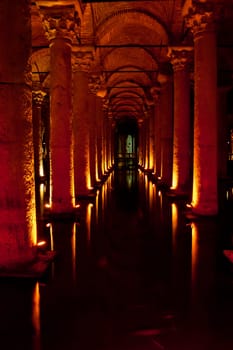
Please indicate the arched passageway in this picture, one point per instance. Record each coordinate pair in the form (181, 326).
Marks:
(126, 144)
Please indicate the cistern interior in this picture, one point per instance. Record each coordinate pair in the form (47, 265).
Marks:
(116, 158)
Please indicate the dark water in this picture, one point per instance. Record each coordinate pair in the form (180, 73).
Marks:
(131, 274)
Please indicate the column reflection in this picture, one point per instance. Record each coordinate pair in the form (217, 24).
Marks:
(73, 249)
(36, 317)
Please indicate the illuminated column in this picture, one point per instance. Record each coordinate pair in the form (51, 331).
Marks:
(17, 190)
(81, 127)
(140, 142)
(94, 84)
(204, 197)
(59, 23)
(145, 141)
(142, 139)
(106, 137)
(155, 91)
(113, 126)
(109, 140)
(180, 58)
(38, 97)
(99, 126)
(151, 139)
(105, 111)
(166, 110)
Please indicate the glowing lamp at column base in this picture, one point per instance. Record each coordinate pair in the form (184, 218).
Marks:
(189, 205)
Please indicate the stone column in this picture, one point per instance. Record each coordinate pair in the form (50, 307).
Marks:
(17, 190)
(151, 139)
(142, 138)
(140, 142)
(81, 124)
(94, 84)
(180, 58)
(113, 128)
(166, 109)
(147, 141)
(99, 126)
(38, 97)
(155, 92)
(59, 23)
(106, 136)
(200, 19)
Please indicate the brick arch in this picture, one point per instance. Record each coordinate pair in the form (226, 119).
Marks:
(117, 57)
(142, 78)
(40, 61)
(110, 26)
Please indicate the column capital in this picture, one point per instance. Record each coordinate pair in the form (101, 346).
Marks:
(60, 21)
(180, 56)
(38, 97)
(107, 108)
(199, 16)
(155, 92)
(96, 84)
(82, 58)
(105, 103)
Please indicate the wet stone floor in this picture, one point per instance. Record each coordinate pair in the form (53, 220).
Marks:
(131, 274)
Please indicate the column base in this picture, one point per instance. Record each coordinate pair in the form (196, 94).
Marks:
(50, 214)
(88, 196)
(177, 194)
(33, 268)
(195, 214)
(162, 185)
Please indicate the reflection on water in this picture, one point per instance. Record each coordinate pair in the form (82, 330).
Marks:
(132, 265)
(36, 316)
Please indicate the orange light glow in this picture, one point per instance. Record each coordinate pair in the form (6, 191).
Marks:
(49, 225)
(36, 315)
(41, 170)
(73, 248)
(88, 179)
(88, 220)
(41, 243)
(72, 172)
(42, 191)
(196, 180)
(33, 227)
(194, 252)
(97, 205)
(151, 194)
(174, 179)
(174, 225)
(96, 168)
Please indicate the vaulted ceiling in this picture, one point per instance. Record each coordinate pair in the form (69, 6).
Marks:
(130, 42)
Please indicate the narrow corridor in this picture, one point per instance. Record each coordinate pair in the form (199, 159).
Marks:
(131, 274)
